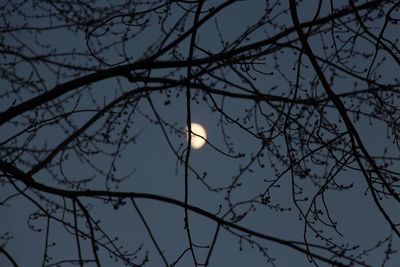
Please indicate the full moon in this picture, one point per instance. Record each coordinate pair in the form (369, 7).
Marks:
(196, 141)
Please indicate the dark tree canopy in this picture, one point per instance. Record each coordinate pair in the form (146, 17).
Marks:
(300, 100)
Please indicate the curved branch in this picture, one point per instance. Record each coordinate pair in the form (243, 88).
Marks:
(28, 181)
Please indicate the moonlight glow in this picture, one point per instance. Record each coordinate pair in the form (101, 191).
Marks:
(197, 142)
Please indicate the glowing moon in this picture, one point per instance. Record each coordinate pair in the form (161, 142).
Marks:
(196, 141)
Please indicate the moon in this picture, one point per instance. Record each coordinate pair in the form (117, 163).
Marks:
(196, 141)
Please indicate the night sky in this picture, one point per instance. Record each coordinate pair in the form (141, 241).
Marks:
(280, 159)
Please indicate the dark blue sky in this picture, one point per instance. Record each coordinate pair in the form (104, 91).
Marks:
(219, 179)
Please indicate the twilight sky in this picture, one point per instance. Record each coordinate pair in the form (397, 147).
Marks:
(254, 105)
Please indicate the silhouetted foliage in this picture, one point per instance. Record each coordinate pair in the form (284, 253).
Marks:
(300, 100)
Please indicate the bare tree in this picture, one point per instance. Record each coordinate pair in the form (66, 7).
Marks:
(300, 102)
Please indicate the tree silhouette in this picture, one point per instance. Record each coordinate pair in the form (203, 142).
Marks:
(300, 102)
